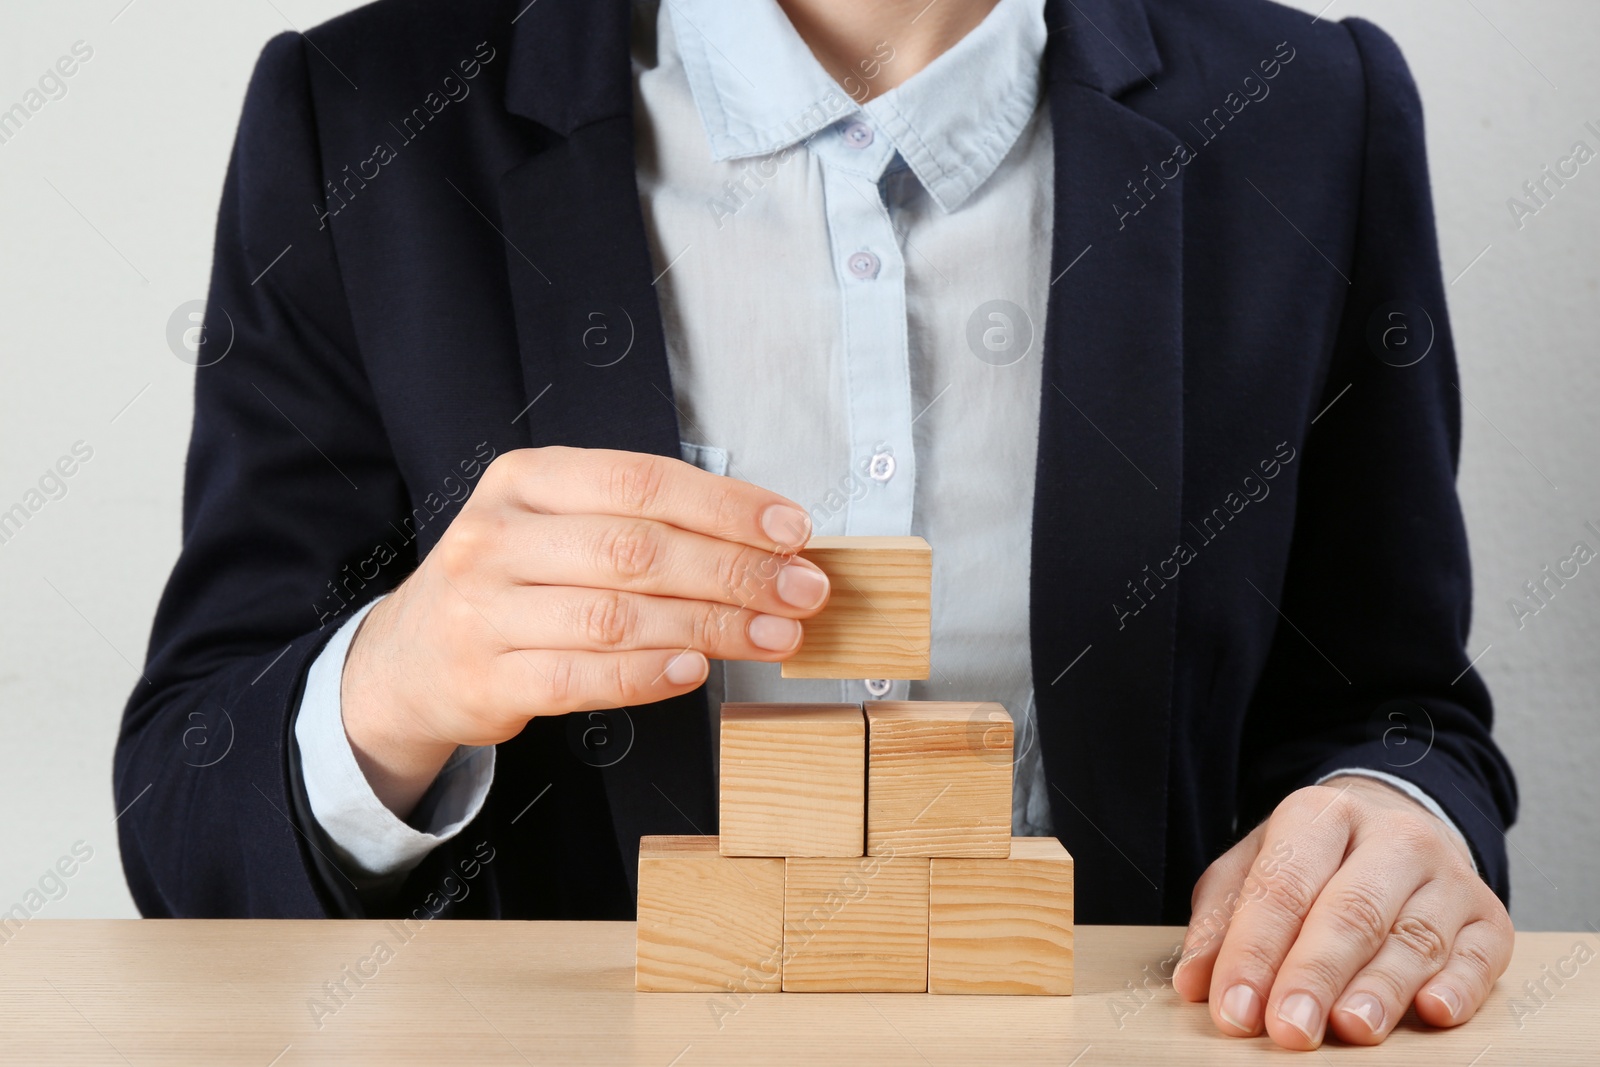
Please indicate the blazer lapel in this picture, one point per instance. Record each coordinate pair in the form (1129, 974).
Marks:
(1107, 501)
(594, 358)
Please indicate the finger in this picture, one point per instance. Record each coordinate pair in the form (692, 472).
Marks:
(1415, 949)
(1312, 845)
(641, 556)
(1480, 955)
(1216, 896)
(525, 683)
(1345, 929)
(606, 620)
(576, 481)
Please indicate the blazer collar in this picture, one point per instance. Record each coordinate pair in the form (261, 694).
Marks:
(571, 63)
(1105, 45)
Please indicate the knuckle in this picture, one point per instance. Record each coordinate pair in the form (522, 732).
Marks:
(630, 550)
(508, 468)
(1314, 799)
(1456, 865)
(1290, 890)
(561, 680)
(1414, 832)
(1499, 919)
(1356, 914)
(708, 628)
(1257, 961)
(1423, 937)
(452, 556)
(605, 619)
(1476, 962)
(496, 474)
(636, 484)
(625, 683)
(733, 574)
(727, 509)
(462, 545)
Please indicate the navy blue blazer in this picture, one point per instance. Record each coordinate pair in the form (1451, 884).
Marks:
(1249, 563)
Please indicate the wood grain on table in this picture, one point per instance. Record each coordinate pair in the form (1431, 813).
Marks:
(257, 992)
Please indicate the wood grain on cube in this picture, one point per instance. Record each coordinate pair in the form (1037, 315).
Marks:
(707, 922)
(1002, 925)
(793, 780)
(938, 778)
(877, 622)
(856, 925)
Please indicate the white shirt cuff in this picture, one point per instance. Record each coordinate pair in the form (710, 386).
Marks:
(1411, 790)
(370, 841)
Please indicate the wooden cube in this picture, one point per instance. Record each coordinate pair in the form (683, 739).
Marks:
(1002, 925)
(856, 925)
(794, 780)
(938, 778)
(877, 622)
(707, 923)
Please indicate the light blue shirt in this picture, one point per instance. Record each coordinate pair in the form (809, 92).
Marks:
(853, 301)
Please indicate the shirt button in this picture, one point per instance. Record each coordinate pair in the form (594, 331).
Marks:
(863, 265)
(878, 687)
(858, 135)
(881, 469)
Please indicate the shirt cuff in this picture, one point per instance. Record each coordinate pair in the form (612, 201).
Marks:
(1411, 790)
(374, 846)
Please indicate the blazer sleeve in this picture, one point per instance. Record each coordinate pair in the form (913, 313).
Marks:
(289, 481)
(1378, 581)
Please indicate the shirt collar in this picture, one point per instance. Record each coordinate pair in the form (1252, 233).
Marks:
(759, 89)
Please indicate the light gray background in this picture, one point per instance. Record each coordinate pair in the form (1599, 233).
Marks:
(107, 203)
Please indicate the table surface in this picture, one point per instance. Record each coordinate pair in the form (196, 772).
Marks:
(247, 992)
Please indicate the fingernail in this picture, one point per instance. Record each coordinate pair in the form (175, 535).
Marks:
(1240, 1008)
(1183, 961)
(1367, 1008)
(1301, 1011)
(1447, 996)
(774, 633)
(787, 526)
(802, 585)
(686, 668)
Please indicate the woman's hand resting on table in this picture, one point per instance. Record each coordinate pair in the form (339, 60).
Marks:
(1347, 906)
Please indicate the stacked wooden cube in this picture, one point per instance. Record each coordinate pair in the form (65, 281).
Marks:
(863, 848)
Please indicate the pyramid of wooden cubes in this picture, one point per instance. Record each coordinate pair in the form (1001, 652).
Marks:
(863, 848)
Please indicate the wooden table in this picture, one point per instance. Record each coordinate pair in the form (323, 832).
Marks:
(224, 992)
